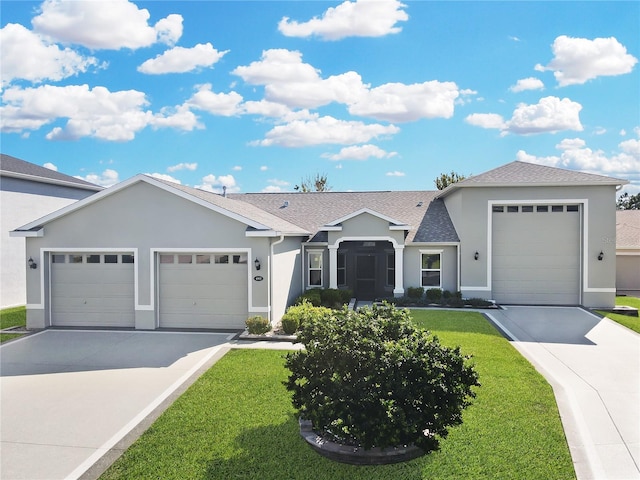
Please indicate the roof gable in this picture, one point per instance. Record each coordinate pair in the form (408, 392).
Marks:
(523, 174)
(16, 168)
(362, 211)
(255, 219)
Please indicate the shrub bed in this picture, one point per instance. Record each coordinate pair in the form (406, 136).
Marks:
(369, 379)
(257, 325)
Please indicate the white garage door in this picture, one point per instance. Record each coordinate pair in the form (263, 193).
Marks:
(92, 289)
(536, 254)
(203, 290)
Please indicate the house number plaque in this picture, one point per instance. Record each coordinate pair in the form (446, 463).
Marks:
(258, 278)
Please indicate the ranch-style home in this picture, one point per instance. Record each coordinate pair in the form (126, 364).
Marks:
(148, 253)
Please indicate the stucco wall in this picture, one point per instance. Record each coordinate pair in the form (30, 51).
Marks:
(468, 208)
(286, 275)
(449, 266)
(145, 218)
(22, 201)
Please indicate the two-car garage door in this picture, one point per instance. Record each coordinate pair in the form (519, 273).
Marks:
(203, 290)
(536, 254)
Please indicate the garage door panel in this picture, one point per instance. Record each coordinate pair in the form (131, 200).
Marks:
(193, 295)
(536, 257)
(92, 295)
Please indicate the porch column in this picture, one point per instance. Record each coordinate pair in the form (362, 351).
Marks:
(398, 291)
(333, 266)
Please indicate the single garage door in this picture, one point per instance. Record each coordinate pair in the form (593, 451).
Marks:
(92, 289)
(536, 254)
(203, 290)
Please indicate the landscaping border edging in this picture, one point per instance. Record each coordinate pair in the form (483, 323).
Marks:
(356, 455)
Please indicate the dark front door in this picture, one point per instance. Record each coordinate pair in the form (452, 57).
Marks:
(365, 277)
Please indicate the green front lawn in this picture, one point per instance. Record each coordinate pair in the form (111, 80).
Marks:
(237, 422)
(630, 322)
(12, 317)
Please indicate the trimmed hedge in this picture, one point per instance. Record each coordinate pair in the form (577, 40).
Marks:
(258, 325)
(298, 315)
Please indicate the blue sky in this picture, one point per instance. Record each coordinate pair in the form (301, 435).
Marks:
(377, 94)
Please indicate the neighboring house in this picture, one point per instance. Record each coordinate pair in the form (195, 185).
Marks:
(147, 253)
(628, 252)
(28, 191)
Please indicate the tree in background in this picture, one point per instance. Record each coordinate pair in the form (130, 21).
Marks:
(446, 179)
(313, 184)
(628, 202)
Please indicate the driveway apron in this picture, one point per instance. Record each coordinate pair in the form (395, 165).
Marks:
(68, 396)
(593, 365)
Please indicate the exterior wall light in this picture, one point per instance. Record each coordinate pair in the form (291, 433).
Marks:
(33, 265)
(476, 256)
(257, 263)
(601, 255)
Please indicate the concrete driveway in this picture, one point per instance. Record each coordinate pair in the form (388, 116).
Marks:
(593, 365)
(67, 397)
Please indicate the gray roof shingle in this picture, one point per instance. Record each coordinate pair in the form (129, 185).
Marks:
(627, 228)
(14, 167)
(529, 174)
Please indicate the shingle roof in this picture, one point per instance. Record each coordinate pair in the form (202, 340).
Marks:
(427, 219)
(529, 174)
(627, 228)
(242, 209)
(14, 167)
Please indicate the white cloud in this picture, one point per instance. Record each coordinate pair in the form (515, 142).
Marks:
(486, 120)
(395, 173)
(164, 176)
(600, 131)
(397, 102)
(181, 60)
(361, 18)
(237, 168)
(182, 166)
(291, 82)
(108, 25)
(279, 183)
(105, 179)
(50, 166)
(530, 83)
(95, 112)
(211, 183)
(25, 55)
(180, 118)
(264, 168)
(578, 60)
(549, 115)
(576, 155)
(272, 189)
(360, 152)
(224, 104)
(324, 130)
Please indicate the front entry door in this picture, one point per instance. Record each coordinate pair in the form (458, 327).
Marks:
(365, 277)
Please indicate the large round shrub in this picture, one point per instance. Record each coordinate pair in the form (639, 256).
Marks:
(370, 378)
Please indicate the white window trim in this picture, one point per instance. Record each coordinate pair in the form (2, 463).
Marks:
(315, 252)
(431, 252)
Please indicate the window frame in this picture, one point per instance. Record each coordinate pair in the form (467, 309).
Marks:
(315, 269)
(439, 270)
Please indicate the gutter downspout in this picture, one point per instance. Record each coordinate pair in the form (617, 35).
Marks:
(270, 276)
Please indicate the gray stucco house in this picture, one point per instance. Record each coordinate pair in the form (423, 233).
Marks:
(150, 254)
(28, 191)
(628, 252)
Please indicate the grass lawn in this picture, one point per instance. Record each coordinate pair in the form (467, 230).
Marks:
(237, 422)
(12, 317)
(630, 322)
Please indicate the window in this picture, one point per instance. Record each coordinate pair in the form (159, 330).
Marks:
(240, 259)
(542, 208)
(557, 208)
(498, 209)
(185, 259)
(75, 258)
(342, 269)
(391, 269)
(166, 258)
(127, 258)
(221, 259)
(512, 209)
(111, 259)
(202, 259)
(430, 270)
(57, 258)
(572, 208)
(93, 258)
(527, 208)
(315, 269)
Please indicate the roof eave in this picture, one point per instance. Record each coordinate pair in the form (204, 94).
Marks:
(52, 181)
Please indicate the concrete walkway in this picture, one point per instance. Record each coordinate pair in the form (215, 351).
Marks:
(593, 365)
